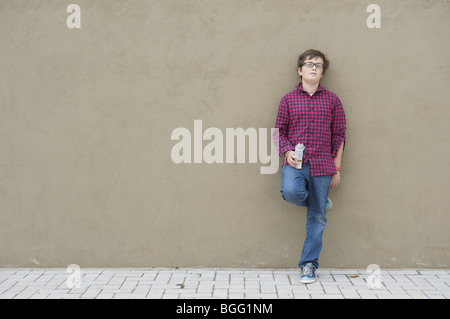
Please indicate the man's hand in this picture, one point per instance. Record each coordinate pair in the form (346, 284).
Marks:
(335, 180)
(291, 159)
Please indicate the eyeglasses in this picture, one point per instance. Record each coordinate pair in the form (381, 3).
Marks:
(310, 65)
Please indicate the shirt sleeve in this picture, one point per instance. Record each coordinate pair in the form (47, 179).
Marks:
(338, 127)
(281, 139)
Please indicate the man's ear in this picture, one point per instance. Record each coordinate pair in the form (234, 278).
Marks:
(299, 70)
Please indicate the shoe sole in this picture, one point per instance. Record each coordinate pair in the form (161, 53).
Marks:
(308, 281)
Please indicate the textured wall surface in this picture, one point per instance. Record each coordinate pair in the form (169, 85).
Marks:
(87, 115)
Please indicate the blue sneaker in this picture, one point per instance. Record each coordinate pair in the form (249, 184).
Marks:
(308, 274)
(329, 204)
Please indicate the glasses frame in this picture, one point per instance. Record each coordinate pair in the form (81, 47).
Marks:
(316, 65)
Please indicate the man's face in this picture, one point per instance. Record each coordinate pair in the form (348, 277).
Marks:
(311, 73)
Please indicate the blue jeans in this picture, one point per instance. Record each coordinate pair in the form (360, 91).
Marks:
(300, 188)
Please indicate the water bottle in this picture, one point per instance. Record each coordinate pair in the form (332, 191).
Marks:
(299, 148)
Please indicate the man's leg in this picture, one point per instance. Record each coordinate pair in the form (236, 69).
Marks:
(294, 188)
(316, 219)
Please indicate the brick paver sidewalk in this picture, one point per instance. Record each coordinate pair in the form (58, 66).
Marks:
(162, 283)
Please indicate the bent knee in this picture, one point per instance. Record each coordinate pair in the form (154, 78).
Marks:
(296, 197)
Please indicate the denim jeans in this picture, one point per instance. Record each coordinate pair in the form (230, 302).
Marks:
(300, 188)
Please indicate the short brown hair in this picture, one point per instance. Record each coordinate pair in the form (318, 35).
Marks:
(313, 54)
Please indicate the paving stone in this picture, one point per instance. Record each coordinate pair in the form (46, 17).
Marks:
(168, 283)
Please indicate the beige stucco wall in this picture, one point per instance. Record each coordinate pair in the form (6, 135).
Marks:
(86, 117)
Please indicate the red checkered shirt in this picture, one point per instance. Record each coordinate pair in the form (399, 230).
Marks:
(317, 121)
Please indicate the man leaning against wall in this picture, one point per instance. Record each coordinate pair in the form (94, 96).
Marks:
(311, 117)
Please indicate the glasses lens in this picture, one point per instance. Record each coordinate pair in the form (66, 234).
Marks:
(310, 65)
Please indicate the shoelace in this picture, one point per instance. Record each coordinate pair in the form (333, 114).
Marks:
(308, 270)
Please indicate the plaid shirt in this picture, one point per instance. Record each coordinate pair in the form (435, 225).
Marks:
(317, 121)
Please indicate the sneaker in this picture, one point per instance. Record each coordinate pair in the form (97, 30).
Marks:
(329, 204)
(308, 274)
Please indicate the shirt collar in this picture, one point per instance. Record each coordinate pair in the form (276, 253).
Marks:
(320, 88)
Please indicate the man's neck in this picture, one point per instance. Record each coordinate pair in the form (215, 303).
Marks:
(310, 87)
